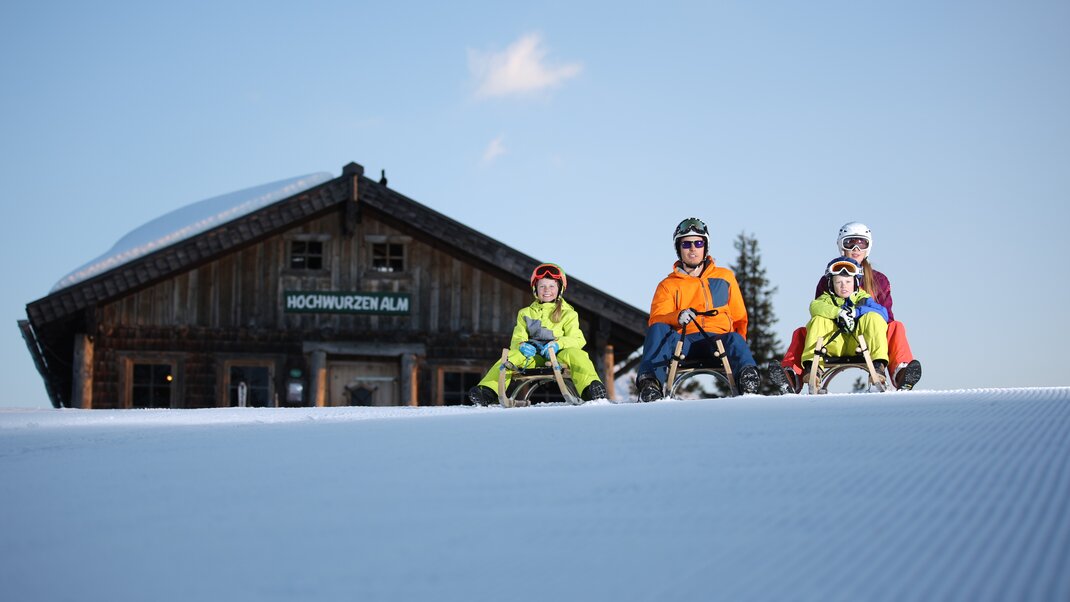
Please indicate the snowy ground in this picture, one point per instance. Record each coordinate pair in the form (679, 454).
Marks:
(961, 495)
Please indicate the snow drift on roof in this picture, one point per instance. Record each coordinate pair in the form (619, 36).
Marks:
(189, 221)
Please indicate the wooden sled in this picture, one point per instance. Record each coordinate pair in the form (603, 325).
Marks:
(681, 369)
(824, 368)
(526, 380)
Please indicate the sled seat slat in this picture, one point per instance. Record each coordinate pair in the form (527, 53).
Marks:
(849, 359)
(540, 373)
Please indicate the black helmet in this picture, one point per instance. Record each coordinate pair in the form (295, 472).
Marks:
(691, 226)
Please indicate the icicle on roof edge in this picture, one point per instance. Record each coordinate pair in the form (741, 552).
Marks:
(189, 221)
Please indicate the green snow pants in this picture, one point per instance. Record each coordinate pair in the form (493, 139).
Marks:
(871, 325)
(577, 360)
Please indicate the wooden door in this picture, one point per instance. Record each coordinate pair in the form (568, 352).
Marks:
(363, 383)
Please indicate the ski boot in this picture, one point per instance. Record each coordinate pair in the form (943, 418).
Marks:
(907, 375)
(750, 381)
(779, 377)
(595, 390)
(482, 396)
(649, 389)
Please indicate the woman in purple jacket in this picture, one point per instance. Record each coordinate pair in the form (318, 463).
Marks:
(855, 241)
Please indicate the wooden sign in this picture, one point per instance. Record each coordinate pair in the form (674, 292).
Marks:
(332, 302)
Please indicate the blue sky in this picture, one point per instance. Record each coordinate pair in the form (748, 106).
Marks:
(580, 133)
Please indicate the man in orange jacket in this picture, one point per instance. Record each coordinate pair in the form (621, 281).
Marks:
(696, 291)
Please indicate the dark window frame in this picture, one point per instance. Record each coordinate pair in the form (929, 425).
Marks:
(129, 387)
(308, 254)
(152, 385)
(389, 257)
(226, 387)
(445, 394)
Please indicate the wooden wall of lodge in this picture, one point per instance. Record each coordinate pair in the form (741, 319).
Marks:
(234, 306)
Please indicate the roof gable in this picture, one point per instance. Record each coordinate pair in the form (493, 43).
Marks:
(217, 238)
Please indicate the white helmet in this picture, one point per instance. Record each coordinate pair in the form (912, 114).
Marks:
(855, 230)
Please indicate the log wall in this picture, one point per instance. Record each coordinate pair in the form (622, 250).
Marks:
(233, 307)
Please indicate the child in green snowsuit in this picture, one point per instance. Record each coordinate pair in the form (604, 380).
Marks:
(548, 323)
(847, 309)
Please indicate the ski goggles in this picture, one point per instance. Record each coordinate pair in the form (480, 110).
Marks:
(687, 244)
(546, 271)
(852, 242)
(692, 225)
(843, 268)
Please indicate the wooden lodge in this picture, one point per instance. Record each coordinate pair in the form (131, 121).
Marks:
(347, 293)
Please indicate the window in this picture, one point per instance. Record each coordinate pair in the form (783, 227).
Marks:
(257, 381)
(150, 380)
(152, 386)
(388, 257)
(455, 387)
(306, 254)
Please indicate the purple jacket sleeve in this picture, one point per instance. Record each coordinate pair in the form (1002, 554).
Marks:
(883, 294)
(821, 290)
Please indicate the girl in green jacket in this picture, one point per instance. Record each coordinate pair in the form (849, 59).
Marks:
(548, 323)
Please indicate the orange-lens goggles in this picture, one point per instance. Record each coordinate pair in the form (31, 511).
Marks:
(843, 268)
(547, 271)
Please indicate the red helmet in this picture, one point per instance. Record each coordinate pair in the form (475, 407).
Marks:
(552, 271)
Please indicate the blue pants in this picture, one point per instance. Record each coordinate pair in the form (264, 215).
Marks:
(661, 341)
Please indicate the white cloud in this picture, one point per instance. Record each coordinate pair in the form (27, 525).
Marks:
(494, 150)
(520, 69)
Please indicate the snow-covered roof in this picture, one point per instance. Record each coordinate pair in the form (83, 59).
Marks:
(189, 221)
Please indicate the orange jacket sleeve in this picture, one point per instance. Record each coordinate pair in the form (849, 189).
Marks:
(664, 307)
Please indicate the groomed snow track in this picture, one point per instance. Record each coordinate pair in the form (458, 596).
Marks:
(961, 495)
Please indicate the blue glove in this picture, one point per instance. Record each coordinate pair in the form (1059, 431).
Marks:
(528, 349)
(546, 349)
(869, 305)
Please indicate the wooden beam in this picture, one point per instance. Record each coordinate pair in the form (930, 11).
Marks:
(82, 377)
(318, 377)
(611, 382)
(408, 380)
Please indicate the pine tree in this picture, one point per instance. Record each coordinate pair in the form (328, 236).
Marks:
(758, 297)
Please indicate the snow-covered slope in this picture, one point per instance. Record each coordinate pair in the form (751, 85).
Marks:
(189, 221)
(925, 495)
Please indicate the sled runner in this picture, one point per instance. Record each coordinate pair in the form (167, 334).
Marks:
(681, 368)
(824, 367)
(526, 380)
